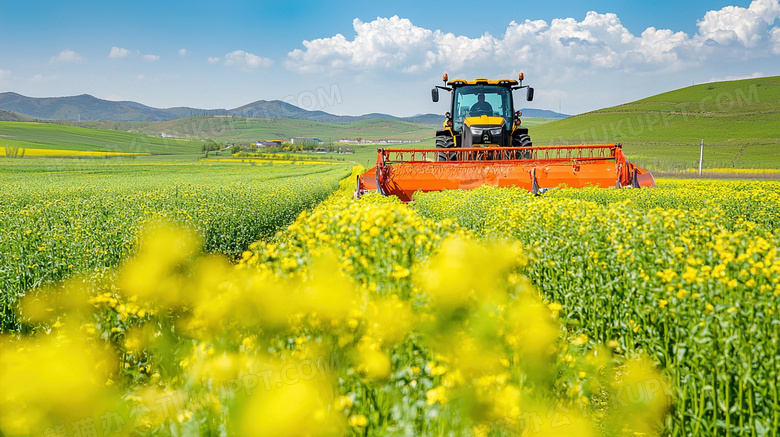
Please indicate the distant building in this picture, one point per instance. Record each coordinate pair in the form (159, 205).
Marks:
(380, 141)
(268, 143)
(306, 141)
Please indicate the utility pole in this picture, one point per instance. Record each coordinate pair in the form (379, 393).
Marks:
(701, 155)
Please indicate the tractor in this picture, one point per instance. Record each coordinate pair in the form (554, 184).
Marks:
(482, 142)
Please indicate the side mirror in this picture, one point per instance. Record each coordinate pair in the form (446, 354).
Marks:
(529, 94)
(435, 95)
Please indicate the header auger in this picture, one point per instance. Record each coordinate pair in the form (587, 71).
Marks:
(482, 142)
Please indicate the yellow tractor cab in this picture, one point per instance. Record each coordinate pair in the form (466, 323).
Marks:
(481, 114)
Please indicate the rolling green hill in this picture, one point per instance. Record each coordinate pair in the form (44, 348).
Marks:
(738, 121)
(53, 136)
(243, 129)
(248, 129)
(145, 137)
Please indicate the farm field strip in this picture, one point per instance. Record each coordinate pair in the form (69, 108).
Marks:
(307, 161)
(66, 153)
(30, 135)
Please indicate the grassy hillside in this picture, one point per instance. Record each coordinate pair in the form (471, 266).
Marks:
(738, 121)
(53, 136)
(238, 129)
(536, 121)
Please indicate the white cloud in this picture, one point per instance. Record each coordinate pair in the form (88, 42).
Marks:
(213, 59)
(774, 36)
(747, 26)
(117, 52)
(383, 43)
(563, 46)
(660, 45)
(246, 61)
(182, 52)
(600, 40)
(4, 74)
(151, 58)
(65, 56)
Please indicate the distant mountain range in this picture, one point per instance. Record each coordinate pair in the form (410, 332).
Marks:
(89, 108)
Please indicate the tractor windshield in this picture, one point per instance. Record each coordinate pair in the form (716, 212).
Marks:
(476, 100)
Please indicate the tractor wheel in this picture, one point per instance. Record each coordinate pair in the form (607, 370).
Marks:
(522, 140)
(445, 142)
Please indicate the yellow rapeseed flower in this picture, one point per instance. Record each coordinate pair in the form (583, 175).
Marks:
(358, 421)
(436, 395)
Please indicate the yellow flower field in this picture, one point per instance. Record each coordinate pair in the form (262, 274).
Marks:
(688, 274)
(58, 153)
(489, 312)
(736, 170)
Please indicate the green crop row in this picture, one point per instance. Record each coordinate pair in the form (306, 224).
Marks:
(67, 217)
(680, 273)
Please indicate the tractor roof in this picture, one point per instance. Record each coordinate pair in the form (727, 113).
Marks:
(482, 81)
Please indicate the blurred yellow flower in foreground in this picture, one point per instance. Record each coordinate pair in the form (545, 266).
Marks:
(374, 364)
(464, 271)
(152, 274)
(303, 408)
(50, 381)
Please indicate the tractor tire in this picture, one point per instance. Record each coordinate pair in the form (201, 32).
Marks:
(522, 140)
(445, 142)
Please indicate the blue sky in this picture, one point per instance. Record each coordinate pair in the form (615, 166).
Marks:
(358, 57)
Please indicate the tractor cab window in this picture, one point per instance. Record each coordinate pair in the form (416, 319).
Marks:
(477, 100)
